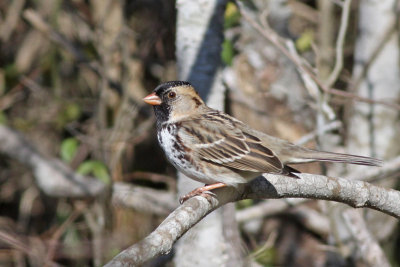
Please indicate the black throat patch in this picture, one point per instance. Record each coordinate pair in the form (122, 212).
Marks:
(163, 111)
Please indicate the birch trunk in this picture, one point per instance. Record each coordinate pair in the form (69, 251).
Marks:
(215, 240)
(373, 129)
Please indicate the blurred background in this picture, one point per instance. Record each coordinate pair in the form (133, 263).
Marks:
(72, 78)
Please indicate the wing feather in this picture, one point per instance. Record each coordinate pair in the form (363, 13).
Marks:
(231, 146)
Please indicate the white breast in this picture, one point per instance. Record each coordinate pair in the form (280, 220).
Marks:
(167, 138)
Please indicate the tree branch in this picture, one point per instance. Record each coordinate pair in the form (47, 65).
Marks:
(340, 43)
(368, 247)
(52, 176)
(354, 193)
(159, 202)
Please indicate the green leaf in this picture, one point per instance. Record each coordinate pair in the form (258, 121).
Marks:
(69, 148)
(72, 111)
(232, 16)
(303, 43)
(96, 168)
(227, 52)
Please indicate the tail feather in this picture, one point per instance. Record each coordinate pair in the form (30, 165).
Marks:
(310, 155)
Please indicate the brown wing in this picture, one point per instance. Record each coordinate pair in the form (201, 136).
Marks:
(220, 142)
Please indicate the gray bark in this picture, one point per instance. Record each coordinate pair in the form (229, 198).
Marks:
(373, 129)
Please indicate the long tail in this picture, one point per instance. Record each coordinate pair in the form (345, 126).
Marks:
(310, 155)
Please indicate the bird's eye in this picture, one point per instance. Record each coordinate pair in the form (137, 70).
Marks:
(171, 95)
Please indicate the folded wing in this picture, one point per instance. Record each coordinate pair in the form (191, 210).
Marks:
(230, 146)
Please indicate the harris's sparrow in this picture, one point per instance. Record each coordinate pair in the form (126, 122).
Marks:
(216, 149)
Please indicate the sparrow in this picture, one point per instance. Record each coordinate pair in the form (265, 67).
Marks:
(214, 148)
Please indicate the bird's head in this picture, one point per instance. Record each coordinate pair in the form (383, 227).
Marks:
(174, 100)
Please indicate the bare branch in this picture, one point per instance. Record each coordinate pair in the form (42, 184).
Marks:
(354, 193)
(38, 22)
(41, 25)
(367, 246)
(390, 168)
(263, 209)
(144, 199)
(310, 218)
(357, 194)
(334, 125)
(28, 246)
(52, 176)
(339, 43)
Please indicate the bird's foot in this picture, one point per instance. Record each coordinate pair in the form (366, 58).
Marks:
(201, 191)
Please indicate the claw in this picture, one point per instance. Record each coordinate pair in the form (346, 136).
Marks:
(202, 191)
(205, 194)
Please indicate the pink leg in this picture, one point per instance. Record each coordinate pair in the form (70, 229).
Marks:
(201, 191)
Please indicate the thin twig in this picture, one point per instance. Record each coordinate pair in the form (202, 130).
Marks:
(344, 21)
(41, 25)
(152, 201)
(267, 208)
(334, 125)
(276, 40)
(54, 240)
(389, 168)
(22, 244)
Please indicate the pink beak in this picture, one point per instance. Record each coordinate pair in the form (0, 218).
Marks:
(152, 99)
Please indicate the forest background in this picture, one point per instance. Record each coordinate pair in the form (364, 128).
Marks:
(81, 174)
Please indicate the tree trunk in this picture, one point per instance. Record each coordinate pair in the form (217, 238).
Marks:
(215, 240)
(373, 129)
